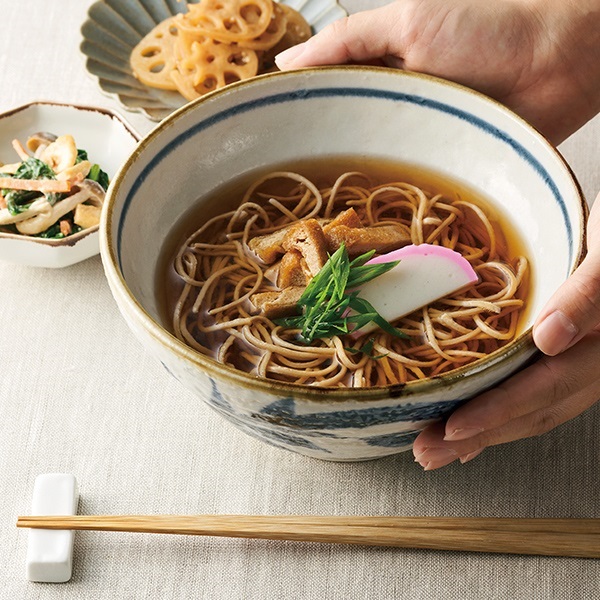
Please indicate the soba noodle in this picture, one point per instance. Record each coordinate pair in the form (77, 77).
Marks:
(214, 315)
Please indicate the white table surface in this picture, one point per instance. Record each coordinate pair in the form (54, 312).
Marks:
(79, 394)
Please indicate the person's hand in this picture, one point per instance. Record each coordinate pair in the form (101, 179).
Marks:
(542, 59)
(539, 57)
(558, 387)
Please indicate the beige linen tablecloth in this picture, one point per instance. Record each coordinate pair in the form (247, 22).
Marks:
(80, 395)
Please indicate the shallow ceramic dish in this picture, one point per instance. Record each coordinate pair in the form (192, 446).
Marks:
(335, 111)
(108, 140)
(114, 28)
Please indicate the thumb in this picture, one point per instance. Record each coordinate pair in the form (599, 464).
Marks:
(574, 310)
(361, 37)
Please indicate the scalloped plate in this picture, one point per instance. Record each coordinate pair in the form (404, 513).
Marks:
(114, 27)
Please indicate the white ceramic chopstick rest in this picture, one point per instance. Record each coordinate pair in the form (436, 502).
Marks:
(50, 552)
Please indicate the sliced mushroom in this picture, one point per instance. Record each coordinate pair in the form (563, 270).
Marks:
(39, 206)
(60, 154)
(76, 172)
(89, 191)
(87, 214)
(39, 141)
(95, 190)
(10, 169)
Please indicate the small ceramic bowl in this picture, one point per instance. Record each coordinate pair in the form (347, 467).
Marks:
(108, 140)
(368, 112)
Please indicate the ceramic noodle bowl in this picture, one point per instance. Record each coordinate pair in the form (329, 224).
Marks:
(332, 111)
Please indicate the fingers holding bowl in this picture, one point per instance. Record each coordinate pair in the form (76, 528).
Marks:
(574, 310)
(535, 401)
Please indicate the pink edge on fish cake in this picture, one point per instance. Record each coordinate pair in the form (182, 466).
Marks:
(428, 250)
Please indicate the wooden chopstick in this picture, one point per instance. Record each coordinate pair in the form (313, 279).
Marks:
(544, 537)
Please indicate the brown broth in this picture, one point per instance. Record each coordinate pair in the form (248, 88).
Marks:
(323, 172)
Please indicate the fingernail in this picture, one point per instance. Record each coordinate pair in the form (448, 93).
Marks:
(436, 455)
(470, 456)
(463, 433)
(555, 333)
(289, 55)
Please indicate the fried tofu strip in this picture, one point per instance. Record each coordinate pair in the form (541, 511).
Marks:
(307, 238)
(269, 247)
(87, 215)
(361, 240)
(35, 185)
(292, 271)
(348, 218)
(304, 237)
(298, 252)
(274, 305)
